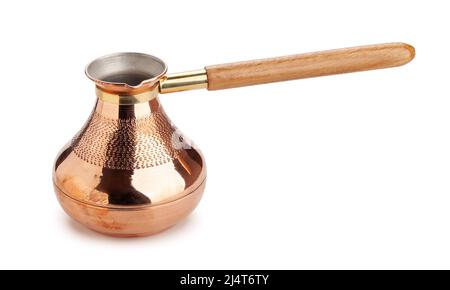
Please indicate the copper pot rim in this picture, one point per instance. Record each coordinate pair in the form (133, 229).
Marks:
(147, 61)
(178, 197)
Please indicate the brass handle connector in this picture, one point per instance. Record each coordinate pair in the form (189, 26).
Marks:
(183, 81)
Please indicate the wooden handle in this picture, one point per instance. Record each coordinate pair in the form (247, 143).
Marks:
(247, 73)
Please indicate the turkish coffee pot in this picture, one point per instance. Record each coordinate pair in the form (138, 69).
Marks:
(129, 171)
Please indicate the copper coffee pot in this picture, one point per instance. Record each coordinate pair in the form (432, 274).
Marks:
(129, 171)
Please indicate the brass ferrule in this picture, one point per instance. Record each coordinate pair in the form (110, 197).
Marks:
(183, 81)
(126, 99)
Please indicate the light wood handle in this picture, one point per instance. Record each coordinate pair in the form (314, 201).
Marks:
(239, 74)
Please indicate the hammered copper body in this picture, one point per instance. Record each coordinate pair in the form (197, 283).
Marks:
(129, 171)
(120, 174)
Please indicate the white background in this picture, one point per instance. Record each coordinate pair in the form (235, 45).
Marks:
(339, 172)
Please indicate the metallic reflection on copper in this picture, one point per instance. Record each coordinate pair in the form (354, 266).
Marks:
(129, 171)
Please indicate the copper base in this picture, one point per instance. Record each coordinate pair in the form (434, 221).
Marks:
(133, 222)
